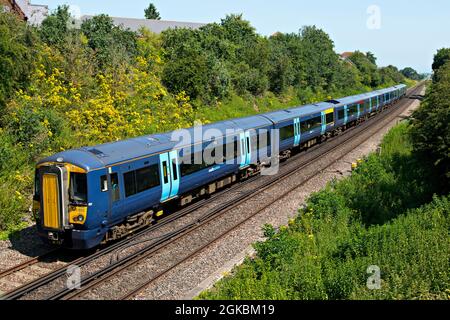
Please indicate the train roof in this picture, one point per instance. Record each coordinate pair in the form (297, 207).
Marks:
(104, 155)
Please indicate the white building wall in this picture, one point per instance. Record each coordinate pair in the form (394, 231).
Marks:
(34, 12)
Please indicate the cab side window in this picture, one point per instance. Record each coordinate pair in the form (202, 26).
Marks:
(115, 187)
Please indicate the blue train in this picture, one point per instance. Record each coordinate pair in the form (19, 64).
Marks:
(92, 195)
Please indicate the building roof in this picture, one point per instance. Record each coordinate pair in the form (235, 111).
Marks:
(156, 26)
(12, 5)
(346, 55)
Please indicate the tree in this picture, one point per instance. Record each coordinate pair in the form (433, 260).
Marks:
(111, 44)
(18, 52)
(431, 122)
(370, 76)
(152, 13)
(281, 71)
(410, 73)
(319, 56)
(441, 57)
(371, 57)
(390, 75)
(55, 26)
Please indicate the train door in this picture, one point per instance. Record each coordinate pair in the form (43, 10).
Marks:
(245, 142)
(112, 185)
(297, 132)
(324, 123)
(170, 175)
(345, 115)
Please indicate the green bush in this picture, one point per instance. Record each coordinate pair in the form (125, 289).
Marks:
(18, 50)
(431, 125)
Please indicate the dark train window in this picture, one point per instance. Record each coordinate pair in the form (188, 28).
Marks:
(341, 114)
(248, 144)
(174, 170)
(330, 118)
(263, 140)
(230, 151)
(367, 105)
(310, 124)
(141, 180)
(287, 132)
(165, 172)
(190, 168)
(147, 178)
(78, 188)
(115, 187)
(130, 183)
(37, 185)
(352, 110)
(114, 184)
(374, 102)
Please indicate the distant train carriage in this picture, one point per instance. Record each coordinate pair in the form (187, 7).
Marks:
(101, 193)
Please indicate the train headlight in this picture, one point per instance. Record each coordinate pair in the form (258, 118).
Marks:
(80, 218)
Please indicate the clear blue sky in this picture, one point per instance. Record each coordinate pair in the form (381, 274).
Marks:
(410, 34)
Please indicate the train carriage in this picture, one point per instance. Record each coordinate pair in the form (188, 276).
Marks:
(94, 194)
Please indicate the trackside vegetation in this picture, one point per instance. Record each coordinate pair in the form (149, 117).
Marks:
(383, 215)
(65, 85)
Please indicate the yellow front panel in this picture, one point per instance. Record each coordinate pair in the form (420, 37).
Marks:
(51, 201)
(76, 212)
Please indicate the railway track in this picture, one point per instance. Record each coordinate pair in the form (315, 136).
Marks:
(146, 247)
(27, 263)
(52, 275)
(37, 267)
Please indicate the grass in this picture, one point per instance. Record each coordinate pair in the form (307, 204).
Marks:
(384, 215)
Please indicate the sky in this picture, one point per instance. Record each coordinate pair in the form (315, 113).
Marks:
(404, 33)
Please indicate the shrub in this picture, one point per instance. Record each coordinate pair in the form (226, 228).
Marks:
(431, 129)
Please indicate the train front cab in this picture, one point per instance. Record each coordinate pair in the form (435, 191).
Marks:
(61, 206)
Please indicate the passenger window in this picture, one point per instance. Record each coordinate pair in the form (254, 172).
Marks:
(287, 132)
(130, 183)
(115, 194)
(174, 170)
(330, 118)
(166, 178)
(104, 183)
(263, 139)
(147, 178)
